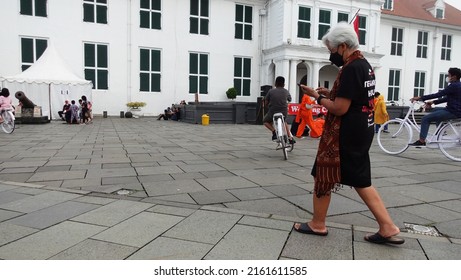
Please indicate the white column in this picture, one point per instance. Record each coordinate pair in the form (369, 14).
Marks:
(315, 74)
(292, 87)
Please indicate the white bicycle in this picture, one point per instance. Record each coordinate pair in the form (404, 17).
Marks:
(8, 120)
(398, 136)
(282, 135)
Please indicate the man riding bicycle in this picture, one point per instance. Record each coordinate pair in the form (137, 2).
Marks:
(451, 95)
(277, 99)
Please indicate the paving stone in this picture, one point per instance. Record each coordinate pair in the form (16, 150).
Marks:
(95, 250)
(119, 180)
(163, 248)
(266, 223)
(57, 175)
(112, 213)
(182, 198)
(272, 179)
(204, 227)
(185, 176)
(139, 229)
(335, 246)
(441, 251)
(213, 197)
(37, 202)
(171, 210)
(94, 200)
(10, 232)
(368, 251)
(6, 215)
(18, 170)
(286, 190)
(158, 170)
(37, 246)
(450, 228)
(10, 196)
(246, 242)
(433, 213)
(44, 218)
(251, 193)
(225, 183)
(172, 187)
(272, 206)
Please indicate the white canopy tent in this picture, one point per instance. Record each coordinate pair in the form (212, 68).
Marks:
(48, 83)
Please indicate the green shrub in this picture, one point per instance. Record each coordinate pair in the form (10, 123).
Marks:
(231, 93)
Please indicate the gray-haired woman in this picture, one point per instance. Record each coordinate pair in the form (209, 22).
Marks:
(342, 157)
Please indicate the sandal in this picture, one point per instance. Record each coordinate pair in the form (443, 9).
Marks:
(379, 239)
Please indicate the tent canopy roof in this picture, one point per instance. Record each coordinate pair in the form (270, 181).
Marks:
(50, 68)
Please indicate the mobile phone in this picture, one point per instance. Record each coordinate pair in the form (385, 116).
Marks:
(298, 84)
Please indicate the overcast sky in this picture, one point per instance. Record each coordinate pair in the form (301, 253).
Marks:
(454, 3)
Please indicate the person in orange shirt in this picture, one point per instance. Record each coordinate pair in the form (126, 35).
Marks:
(304, 115)
(317, 126)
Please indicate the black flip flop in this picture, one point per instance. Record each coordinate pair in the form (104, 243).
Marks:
(379, 239)
(306, 229)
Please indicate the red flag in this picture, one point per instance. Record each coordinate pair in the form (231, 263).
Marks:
(356, 25)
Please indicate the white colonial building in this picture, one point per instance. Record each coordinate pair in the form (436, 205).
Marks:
(164, 51)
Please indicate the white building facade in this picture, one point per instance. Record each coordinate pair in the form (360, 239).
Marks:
(164, 51)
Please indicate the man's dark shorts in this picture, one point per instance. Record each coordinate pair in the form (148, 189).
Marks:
(270, 114)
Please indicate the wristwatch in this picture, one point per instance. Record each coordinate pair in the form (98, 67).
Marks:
(321, 96)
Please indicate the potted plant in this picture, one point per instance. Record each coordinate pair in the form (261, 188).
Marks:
(231, 93)
(135, 105)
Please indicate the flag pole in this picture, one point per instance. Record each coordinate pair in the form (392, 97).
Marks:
(355, 15)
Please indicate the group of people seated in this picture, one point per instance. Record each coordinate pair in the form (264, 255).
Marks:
(77, 114)
(173, 112)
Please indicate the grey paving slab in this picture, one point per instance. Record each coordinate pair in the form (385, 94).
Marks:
(272, 179)
(172, 210)
(251, 193)
(139, 229)
(338, 205)
(40, 201)
(112, 172)
(272, 206)
(10, 232)
(266, 223)
(90, 249)
(94, 200)
(163, 248)
(10, 196)
(335, 246)
(225, 183)
(182, 198)
(204, 227)
(113, 213)
(154, 170)
(286, 190)
(57, 175)
(6, 215)
(246, 242)
(433, 213)
(450, 228)
(367, 251)
(172, 187)
(18, 170)
(46, 217)
(79, 183)
(47, 243)
(441, 251)
(213, 197)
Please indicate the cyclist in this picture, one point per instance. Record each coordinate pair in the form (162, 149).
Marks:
(451, 95)
(5, 101)
(277, 99)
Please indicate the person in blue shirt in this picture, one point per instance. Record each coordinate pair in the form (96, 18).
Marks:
(451, 95)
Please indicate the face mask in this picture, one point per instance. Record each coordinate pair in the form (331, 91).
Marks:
(447, 79)
(336, 59)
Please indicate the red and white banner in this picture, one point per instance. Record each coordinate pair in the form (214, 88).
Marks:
(293, 109)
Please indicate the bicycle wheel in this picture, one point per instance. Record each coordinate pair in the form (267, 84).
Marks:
(282, 137)
(449, 140)
(397, 137)
(8, 122)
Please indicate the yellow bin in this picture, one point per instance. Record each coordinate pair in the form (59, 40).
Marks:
(205, 119)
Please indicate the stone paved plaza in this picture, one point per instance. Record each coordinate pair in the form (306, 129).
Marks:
(147, 189)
